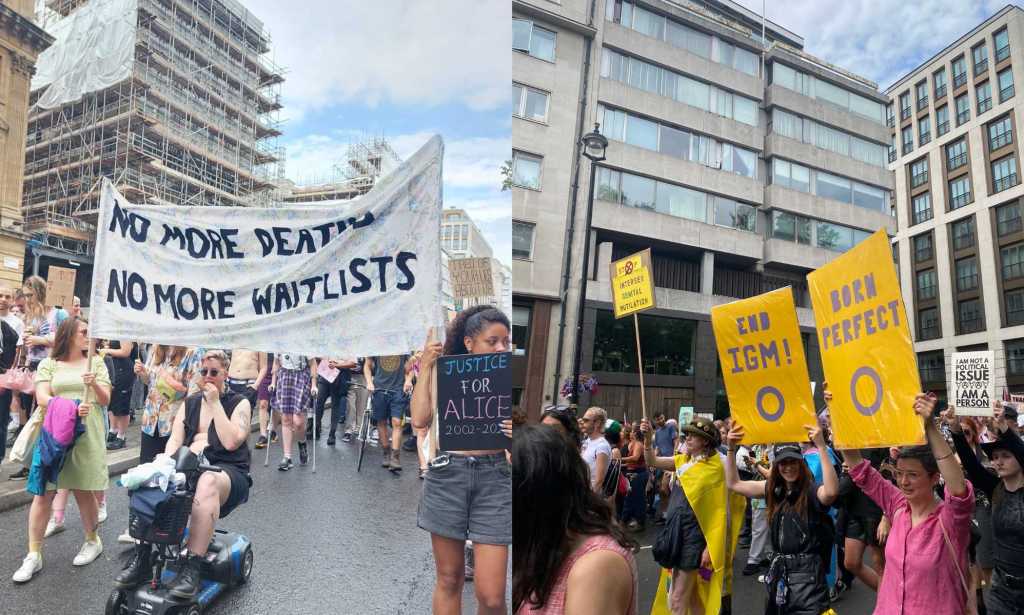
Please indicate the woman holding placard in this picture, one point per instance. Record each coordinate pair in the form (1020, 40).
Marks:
(1005, 489)
(926, 553)
(801, 531)
(467, 495)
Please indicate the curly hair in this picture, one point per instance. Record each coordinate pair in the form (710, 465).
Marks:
(469, 323)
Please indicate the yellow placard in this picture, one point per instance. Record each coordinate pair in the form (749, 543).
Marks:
(866, 348)
(632, 292)
(764, 367)
(628, 264)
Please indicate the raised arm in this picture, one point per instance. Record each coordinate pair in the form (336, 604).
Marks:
(746, 488)
(829, 488)
(421, 405)
(653, 461)
(980, 477)
(949, 467)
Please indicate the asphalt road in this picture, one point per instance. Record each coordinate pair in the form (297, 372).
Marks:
(748, 595)
(331, 542)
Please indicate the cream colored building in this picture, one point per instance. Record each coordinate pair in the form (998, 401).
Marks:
(21, 41)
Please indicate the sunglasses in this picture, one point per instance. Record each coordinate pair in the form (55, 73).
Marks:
(213, 373)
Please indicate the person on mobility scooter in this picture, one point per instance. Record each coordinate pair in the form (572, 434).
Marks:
(213, 423)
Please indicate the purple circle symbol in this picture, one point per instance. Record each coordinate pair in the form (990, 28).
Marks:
(770, 390)
(869, 373)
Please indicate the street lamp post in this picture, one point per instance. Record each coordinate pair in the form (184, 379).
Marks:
(594, 146)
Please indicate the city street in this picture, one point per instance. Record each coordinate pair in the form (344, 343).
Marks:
(331, 542)
(748, 594)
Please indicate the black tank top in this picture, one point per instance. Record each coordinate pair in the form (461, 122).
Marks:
(215, 452)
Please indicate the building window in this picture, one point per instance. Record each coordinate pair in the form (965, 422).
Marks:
(1014, 304)
(959, 72)
(520, 328)
(966, 274)
(963, 109)
(983, 93)
(926, 284)
(529, 103)
(939, 78)
(922, 95)
(1008, 219)
(1005, 84)
(924, 130)
(918, 172)
(791, 227)
(963, 233)
(522, 240)
(942, 120)
(1001, 42)
(838, 238)
(956, 154)
(905, 109)
(892, 149)
(928, 329)
(890, 115)
(1004, 173)
(791, 175)
(970, 317)
(931, 366)
(923, 248)
(1015, 357)
(1000, 133)
(734, 214)
(668, 350)
(825, 137)
(526, 170)
(959, 192)
(1012, 258)
(908, 140)
(530, 38)
(922, 204)
(980, 56)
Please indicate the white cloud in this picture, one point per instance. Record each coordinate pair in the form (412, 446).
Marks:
(421, 53)
(879, 39)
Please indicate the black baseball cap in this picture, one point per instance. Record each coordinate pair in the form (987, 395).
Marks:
(787, 451)
(1010, 411)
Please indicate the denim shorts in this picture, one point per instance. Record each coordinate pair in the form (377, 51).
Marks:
(469, 499)
(389, 404)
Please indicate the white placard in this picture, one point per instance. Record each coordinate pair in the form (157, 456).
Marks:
(973, 383)
(360, 278)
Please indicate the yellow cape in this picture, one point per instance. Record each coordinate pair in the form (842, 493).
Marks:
(719, 513)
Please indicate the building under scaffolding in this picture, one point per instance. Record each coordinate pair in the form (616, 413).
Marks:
(182, 110)
(365, 162)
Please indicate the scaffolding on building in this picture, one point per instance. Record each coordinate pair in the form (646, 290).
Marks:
(366, 161)
(194, 123)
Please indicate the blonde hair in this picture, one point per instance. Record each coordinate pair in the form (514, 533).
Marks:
(602, 415)
(36, 306)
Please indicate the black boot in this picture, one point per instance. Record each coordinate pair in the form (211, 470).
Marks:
(139, 570)
(186, 584)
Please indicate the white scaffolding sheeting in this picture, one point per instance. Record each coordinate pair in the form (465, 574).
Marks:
(95, 49)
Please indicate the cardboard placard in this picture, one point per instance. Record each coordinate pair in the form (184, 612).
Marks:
(632, 284)
(471, 277)
(974, 385)
(60, 286)
(474, 395)
(685, 416)
(866, 349)
(763, 366)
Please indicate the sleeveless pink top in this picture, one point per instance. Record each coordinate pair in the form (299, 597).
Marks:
(556, 600)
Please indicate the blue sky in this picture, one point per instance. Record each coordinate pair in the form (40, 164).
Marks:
(878, 39)
(403, 70)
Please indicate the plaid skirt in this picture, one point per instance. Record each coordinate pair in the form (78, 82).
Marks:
(292, 391)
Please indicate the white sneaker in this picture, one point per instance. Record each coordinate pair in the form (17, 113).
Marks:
(89, 552)
(127, 539)
(32, 564)
(52, 527)
(102, 513)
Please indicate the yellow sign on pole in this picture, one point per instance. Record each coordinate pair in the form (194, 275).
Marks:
(764, 367)
(866, 348)
(632, 284)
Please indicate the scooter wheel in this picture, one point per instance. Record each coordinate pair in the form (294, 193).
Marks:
(191, 610)
(116, 603)
(247, 560)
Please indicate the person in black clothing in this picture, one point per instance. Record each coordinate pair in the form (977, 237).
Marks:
(120, 358)
(1005, 490)
(801, 530)
(9, 340)
(214, 424)
(864, 526)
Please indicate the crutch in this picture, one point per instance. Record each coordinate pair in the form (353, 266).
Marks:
(270, 433)
(312, 405)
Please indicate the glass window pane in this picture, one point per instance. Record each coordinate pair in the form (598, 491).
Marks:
(637, 191)
(784, 76)
(746, 61)
(521, 34)
(744, 162)
(675, 142)
(695, 93)
(736, 215)
(868, 108)
(784, 226)
(786, 124)
(834, 237)
(781, 172)
(744, 110)
(726, 52)
(869, 197)
(536, 105)
(832, 187)
(607, 188)
(526, 170)
(522, 240)
(699, 43)
(542, 44)
(648, 23)
(614, 124)
(723, 102)
(801, 178)
(831, 93)
(517, 98)
(641, 132)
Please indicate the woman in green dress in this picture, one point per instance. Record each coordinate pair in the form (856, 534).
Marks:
(66, 374)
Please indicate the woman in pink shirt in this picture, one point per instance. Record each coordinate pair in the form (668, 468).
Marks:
(569, 556)
(926, 553)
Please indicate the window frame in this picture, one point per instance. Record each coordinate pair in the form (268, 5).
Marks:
(960, 159)
(926, 135)
(516, 155)
(921, 255)
(939, 88)
(973, 278)
(962, 116)
(533, 239)
(984, 104)
(941, 125)
(1013, 227)
(1013, 321)
(905, 109)
(958, 238)
(1000, 139)
(1008, 180)
(529, 49)
(915, 219)
(932, 289)
(919, 172)
(959, 78)
(979, 321)
(523, 95)
(921, 94)
(1001, 52)
(1005, 93)
(980, 66)
(1019, 265)
(920, 322)
(964, 198)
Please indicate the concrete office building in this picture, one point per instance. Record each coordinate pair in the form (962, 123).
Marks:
(740, 177)
(960, 244)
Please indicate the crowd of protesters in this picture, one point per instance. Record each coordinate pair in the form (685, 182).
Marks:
(931, 529)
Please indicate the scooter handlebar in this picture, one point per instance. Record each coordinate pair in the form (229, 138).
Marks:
(206, 468)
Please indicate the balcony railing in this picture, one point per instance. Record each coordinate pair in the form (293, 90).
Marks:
(904, 113)
(959, 201)
(922, 103)
(940, 91)
(942, 128)
(963, 117)
(984, 105)
(1002, 53)
(1010, 225)
(980, 67)
(922, 216)
(892, 154)
(1004, 183)
(1001, 140)
(959, 80)
(925, 137)
(890, 121)
(955, 162)
(962, 242)
(918, 178)
(907, 147)
(929, 333)
(1006, 93)
(970, 325)
(967, 282)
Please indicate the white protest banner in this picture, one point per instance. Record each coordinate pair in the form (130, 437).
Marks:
(361, 277)
(974, 385)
